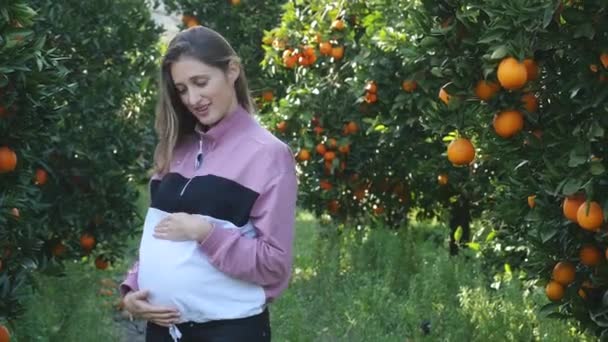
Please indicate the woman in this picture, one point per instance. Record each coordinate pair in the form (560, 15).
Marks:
(217, 239)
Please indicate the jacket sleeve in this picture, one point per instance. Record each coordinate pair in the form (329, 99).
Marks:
(266, 259)
(130, 282)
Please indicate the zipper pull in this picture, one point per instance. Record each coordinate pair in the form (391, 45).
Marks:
(199, 156)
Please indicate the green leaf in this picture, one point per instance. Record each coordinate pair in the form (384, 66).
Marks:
(571, 186)
(474, 246)
(500, 52)
(548, 309)
(458, 234)
(597, 168)
(548, 234)
(576, 158)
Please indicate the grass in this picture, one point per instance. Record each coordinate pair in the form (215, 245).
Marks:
(375, 285)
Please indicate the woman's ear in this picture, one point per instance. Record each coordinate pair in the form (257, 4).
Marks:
(234, 71)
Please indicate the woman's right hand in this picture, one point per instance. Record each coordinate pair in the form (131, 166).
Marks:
(136, 303)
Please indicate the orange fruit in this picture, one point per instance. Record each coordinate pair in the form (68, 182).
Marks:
(318, 130)
(461, 152)
(591, 220)
(359, 194)
(371, 87)
(486, 90)
(87, 241)
(564, 273)
(571, 205)
(371, 98)
(590, 255)
(352, 127)
(58, 249)
(325, 184)
(409, 85)
(278, 44)
(337, 52)
(444, 96)
(8, 160)
(325, 48)
(282, 126)
(378, 210)
(333, 206)
(530, 102)
(267, 95)
(345, 149)
(531, 69)
(15, 212)
(442, 179)
(329, 156)
(41, 177)
(101, 263)
(5, 335)
(604, 59)
(290, 58)
(303, 155)
(508, 123)
(235, 2)
(337, 25)
(554, 291)
(321, 149)
(512, 74)
(332, 143)
(532, 201)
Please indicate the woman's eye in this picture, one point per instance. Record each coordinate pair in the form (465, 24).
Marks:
(201, 84)
(181, 91)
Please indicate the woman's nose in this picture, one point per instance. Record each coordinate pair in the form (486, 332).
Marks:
(193, 98)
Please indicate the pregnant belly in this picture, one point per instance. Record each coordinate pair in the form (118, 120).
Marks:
(179, 274)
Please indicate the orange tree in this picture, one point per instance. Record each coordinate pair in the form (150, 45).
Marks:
(524, 81)
(75, 130)
(358, 112)
(529, 77)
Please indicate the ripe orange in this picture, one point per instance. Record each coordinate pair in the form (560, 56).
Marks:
(290, 58)
(530, 102)
(303, 155)
(564, 273)
(512, 74)
(329, 156)
(325, 48)
(352, 127)
(590, 255)
(371, 97)
(325, 184)
(8, 160)
(58, 249)
(532, 201)
(41, 177)
(409, 85)
(604, 59)
(333, 206)
(531, 69)
(332, 143)
(337, 25)
(461, 151)
(508, 123)
(267, 95)
(591, 220)
(101, 263)
(5, 335)
(486, 90)
(571, 205)
(444, 96)
(442, 179)
(87, 241)
(321, 149)
(359, 194)
(235, 2)
(554, 291)
(282, 126)
(345, 149)
(337, 52)
(371, 87)
(318, 130)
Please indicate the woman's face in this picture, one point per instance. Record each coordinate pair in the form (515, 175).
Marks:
(206, 91)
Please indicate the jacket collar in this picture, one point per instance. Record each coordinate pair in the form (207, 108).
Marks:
(232, 122)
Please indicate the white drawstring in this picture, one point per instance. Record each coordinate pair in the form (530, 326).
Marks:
(199, 156)
(175, 333)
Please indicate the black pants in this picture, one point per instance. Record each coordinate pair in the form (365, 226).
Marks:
(250, 329)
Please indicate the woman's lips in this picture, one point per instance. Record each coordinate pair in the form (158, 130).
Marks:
(201, 110)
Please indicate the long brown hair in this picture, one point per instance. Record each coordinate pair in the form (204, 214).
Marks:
(173, 120)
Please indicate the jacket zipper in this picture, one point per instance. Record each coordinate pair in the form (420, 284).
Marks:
(198, 161)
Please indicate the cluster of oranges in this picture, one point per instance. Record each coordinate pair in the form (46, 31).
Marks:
(590, 217)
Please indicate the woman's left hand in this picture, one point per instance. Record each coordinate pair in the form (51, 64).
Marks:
(182, 227)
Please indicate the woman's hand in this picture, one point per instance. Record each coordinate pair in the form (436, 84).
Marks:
(137, 305)
(182, 227)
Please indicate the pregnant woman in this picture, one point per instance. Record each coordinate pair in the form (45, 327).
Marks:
(217, 241)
